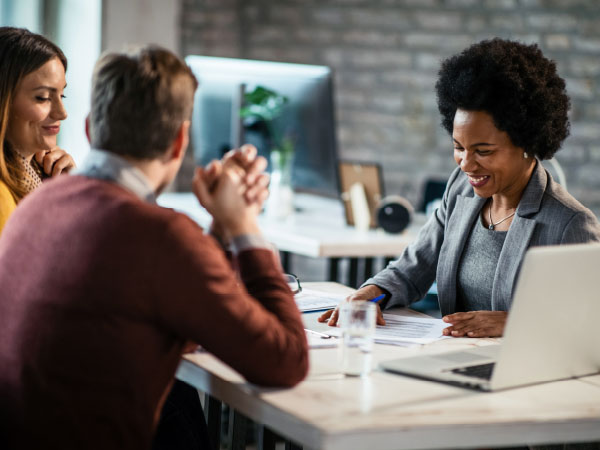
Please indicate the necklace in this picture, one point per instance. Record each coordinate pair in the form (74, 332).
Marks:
(492, 224)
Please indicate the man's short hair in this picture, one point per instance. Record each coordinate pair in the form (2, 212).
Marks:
(140, 99)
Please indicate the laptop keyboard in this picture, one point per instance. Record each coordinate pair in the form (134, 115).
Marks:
(483, 371)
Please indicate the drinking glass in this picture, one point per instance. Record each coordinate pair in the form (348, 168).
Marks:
(357, 321)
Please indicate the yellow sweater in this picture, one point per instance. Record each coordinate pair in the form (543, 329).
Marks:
(7, 204)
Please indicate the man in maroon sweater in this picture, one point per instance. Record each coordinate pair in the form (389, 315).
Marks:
(100, 288)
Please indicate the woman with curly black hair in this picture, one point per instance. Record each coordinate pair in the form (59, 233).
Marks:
(506, 109)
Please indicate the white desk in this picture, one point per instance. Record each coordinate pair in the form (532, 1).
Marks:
(317, 229)
(387, 411)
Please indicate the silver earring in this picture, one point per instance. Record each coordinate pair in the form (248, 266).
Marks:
(525, 155)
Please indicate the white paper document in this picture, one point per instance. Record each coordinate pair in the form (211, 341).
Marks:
(316, 341)
(405, 331)
(311, 300)
(416, 330)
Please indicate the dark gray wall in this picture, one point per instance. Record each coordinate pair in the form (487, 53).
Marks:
(386, 54)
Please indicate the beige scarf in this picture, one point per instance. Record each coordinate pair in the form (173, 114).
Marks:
(33, 178)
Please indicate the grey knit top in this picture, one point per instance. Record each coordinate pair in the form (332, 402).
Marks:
(477, 268)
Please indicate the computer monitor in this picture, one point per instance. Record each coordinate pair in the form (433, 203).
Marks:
(308, 115)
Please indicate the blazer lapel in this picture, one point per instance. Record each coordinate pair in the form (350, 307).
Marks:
(517, 240)
(514, 248)
(460, 222)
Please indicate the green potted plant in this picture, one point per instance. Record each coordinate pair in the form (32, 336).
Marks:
(261, 111)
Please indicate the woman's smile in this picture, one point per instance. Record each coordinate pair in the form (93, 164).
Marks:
(478, 181)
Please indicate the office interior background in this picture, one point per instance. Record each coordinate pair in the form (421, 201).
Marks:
(385, 55)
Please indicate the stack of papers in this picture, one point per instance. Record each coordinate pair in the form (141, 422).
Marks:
(311, 300)
(405, 331)
(315, 341)
(402, 330)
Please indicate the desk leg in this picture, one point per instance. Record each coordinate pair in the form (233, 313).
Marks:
(333, 268)
(286, 261)
(368, 273)
(353, 273)
(212, 411)
(266, 438)
(291, 446)
(237, 430)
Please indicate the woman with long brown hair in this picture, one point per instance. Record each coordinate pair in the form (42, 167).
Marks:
(32, 81)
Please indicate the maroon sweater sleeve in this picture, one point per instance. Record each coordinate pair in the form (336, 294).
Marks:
(253, 325)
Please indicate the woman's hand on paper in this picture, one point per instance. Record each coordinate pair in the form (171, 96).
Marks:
(363, 294)
(55, 161)
(476, 324)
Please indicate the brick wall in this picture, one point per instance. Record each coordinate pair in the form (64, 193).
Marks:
(386, 54)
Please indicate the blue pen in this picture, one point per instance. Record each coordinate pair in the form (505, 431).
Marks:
(376, 299)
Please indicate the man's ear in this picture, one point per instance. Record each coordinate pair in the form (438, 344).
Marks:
(87, 128)
(181, 141)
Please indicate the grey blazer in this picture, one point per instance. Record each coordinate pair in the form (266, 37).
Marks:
(546, 215)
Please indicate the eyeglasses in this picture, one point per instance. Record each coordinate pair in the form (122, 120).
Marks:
(293, 282)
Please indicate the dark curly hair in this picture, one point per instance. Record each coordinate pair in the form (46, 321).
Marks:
(516, 85)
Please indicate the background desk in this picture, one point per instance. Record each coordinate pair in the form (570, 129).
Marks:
(317, 229)
(385, 411)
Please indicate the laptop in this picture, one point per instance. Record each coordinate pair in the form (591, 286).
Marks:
(552, 331)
